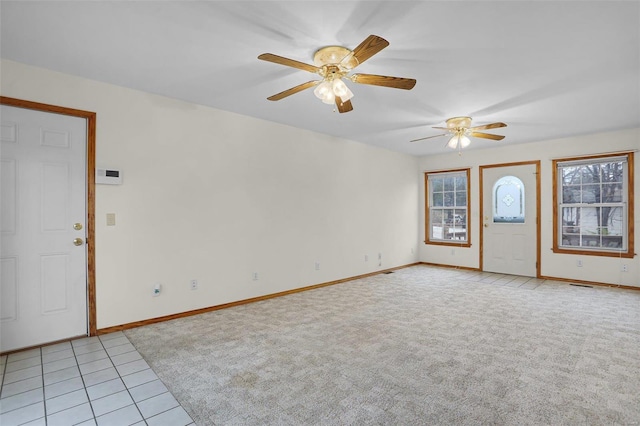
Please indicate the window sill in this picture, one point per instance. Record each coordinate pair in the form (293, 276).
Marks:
(452, 243)
(594, 252)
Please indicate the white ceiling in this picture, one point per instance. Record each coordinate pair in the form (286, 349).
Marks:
(548, 69)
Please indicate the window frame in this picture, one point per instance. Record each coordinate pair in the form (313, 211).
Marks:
(629, 200)
(428, 200)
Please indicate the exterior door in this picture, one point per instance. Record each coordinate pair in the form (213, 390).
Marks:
(43, 225)
(509, 233)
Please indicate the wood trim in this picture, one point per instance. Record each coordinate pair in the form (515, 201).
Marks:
(227, 305)
(426, 207)
(469, 195)
(599, 284)
(480, 219)
(538, 209)
(554, 202)
(21, 103)
(631, 217)
(630, 252)
(543, 277)
(617, 255)
(538, 221)
(517, 163)
(90, 168)
(444, 243)
(592, 156)
(91, 224)
(453, 243)
(243, 302)
(441, 265)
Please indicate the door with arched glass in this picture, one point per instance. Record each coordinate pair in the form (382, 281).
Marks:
(509, 219)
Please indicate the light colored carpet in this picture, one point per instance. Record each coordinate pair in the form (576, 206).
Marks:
(423, 345)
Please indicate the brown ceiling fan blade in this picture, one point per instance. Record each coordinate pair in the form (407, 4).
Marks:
(428, 137)
(369, 47)
(486, 136)
(270, 57)
(293, 90)
(383, 80)
(343, 106)
(488, 126)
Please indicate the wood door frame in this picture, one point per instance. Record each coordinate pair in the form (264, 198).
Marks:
(90, 201)
(481, 209)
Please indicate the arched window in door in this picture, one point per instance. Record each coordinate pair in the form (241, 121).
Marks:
(508, 200)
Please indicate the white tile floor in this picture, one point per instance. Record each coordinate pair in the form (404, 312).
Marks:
(93, 381)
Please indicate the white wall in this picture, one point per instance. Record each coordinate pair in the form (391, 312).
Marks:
(216, 196)
(598, 269)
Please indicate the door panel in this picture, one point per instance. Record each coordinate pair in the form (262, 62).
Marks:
(9, 294)
(8, 187)
(44, 275)
(509, 233)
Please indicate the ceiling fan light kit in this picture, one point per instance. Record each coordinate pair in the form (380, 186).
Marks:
(333, 64)
(460, 129)
(332, 85)
(327, 91)
(458, 140)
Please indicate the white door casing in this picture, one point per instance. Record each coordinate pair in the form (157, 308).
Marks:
(44, 193)
(508, 247)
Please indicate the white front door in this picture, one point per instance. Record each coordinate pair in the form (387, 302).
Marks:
(509, 209)
(43, 215)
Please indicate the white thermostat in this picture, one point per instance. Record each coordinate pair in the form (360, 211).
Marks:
(109, 176)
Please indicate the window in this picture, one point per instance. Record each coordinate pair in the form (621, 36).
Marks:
(592, 208)
(508, 200)
(447, 207)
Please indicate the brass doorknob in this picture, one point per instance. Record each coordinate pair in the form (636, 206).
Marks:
(486, 225)
(77, 241)
(77, 226)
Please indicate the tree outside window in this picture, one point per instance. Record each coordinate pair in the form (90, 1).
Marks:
(592, 206)
(447, 207)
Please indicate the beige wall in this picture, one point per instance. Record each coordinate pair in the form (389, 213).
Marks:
(598, 269)
(216, 196)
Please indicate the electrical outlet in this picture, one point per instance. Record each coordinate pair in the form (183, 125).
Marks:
(317, 266)
(194, 284)
(379, 256)
(156, 289)
(411, 250)
(624, 268)
(366, 258)
(255, 276)
(579, 263)
(453, 252)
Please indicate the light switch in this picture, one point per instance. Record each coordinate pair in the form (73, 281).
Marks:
(111, 219)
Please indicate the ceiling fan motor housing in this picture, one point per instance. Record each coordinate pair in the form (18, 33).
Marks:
(334, 55)
(459, 122)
